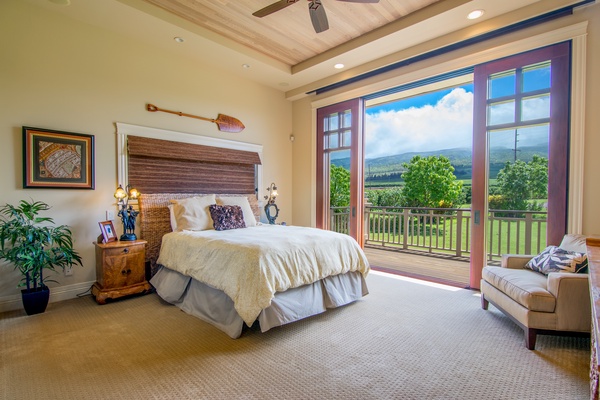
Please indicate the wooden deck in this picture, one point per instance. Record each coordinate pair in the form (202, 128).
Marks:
(420, 265)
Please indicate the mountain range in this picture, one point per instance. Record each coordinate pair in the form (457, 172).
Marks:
(389, 168)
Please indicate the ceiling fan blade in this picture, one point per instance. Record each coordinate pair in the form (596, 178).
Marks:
(318, 16)
(270, 9)
(360, 1)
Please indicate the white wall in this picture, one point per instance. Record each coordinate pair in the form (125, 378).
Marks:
(62, 74)
(303, 110)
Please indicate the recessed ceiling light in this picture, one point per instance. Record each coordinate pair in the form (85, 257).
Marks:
(338, 66)
(245, 66)
(475, 14)
(178, 39)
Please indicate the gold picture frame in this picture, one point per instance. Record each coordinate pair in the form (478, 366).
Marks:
(56, 159)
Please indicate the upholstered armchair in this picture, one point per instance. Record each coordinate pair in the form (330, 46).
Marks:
(539, 300)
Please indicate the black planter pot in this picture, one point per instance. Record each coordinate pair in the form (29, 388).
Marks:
(35, 301)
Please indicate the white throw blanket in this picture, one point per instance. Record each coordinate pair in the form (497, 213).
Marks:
(250, 265)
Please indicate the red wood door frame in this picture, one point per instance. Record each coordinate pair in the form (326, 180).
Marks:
(558, 165)
(356, 106)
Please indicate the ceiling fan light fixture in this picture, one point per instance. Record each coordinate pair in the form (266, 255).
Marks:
(338, 66)
(475, 14)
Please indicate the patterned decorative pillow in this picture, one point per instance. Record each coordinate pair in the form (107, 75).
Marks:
(227, 217)
(555, 259)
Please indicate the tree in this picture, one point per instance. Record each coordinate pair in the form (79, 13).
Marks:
(513, 185)
(538, 177)
(339, 186)
(430, 182)
(519, 182)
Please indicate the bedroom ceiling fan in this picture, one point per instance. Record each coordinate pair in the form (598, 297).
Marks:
(316, 10)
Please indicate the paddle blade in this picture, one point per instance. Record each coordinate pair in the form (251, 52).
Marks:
(225, 123)
(318, 16)
(270, 9)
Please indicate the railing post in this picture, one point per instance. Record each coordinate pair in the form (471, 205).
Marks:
(405, 233)
(459, 222)
(528, 226)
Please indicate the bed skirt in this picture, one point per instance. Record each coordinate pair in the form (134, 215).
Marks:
(215, 307)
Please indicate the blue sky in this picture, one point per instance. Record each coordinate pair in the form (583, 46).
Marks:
(439, 120)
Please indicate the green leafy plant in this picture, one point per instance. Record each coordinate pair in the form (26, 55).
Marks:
(32, 244)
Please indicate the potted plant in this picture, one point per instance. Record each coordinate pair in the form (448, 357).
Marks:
(32, 244)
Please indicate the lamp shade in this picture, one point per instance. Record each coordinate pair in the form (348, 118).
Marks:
(120, 193)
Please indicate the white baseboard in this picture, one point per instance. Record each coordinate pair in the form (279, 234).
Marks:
(10, 303)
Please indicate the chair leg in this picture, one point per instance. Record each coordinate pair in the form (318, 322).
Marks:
(530, 336)
(484, 302)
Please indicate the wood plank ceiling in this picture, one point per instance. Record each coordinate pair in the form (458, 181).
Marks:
(288, 35)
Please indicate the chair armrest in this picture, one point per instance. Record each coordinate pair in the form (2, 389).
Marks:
(515, 261)
(561, 282)
(573, 303)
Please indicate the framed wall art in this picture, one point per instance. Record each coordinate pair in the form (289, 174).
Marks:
(55, 159)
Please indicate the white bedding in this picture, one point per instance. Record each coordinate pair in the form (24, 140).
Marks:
(250, 265)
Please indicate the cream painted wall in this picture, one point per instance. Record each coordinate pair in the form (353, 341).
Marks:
(62, 74)
(304, 109)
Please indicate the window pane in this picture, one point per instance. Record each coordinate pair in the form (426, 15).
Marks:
(536, 77)
(347, 119)
(502, 84)
(347, 141)
(535, 139)
(535, 108)
(501, 113)
(333, 122)
(325, 142)
(333, 141)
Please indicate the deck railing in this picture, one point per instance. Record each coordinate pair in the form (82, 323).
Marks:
(446, 231)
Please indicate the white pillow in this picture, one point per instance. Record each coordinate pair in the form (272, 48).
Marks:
(192, 214)
(172, 218)
(242, 201)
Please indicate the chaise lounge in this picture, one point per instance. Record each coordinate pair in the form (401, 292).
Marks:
(536, 298)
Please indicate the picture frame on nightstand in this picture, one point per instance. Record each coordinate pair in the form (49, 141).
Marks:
(108, 232)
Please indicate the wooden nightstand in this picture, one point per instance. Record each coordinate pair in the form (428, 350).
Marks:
(120, 270)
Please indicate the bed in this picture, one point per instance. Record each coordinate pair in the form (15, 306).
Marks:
(266, 274)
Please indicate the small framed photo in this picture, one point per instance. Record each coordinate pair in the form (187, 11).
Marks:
(108, 231)
(58, 160)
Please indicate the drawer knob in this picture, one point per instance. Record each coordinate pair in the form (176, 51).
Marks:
(126, 250)
(125, 271)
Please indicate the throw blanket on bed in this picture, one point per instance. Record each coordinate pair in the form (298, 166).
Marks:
(250, 265)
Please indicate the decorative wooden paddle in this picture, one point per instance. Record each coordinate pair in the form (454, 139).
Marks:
(225, 123)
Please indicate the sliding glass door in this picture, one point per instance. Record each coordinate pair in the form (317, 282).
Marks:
(521, 107)
(340, 168)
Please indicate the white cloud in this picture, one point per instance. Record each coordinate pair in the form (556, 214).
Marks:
(448, 124)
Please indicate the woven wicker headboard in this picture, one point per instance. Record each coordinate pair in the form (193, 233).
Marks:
(155, 221)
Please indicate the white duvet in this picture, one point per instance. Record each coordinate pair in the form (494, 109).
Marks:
(250, 265)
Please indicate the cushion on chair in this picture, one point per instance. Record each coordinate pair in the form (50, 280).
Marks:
(556, 259)
(572, 242)
(524, 286)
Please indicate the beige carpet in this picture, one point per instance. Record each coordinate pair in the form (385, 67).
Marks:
(403, 341)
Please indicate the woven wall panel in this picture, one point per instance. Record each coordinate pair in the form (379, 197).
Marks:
(157, 148)
(163, 166)
(182, 176)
